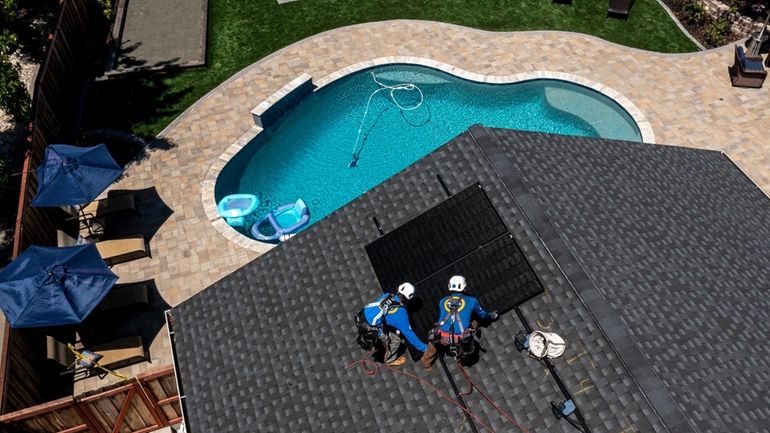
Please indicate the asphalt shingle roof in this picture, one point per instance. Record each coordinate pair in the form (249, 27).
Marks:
(654, 262)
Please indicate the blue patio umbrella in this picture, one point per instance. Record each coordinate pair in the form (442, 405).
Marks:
(71, 175)
(48, 286)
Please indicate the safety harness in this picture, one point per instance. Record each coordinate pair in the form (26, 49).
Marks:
(369, 333)
(459, 346)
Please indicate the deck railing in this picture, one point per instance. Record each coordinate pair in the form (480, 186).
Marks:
(138, 405)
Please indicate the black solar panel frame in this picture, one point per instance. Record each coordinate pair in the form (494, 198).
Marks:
(452, 229)
(494, 265)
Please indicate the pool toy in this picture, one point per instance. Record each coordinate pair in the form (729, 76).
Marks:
(235, 207)
(284, 220)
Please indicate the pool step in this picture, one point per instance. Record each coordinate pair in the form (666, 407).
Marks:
(596, 115)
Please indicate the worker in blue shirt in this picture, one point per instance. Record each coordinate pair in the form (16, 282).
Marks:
(386, 322)
(456, 328)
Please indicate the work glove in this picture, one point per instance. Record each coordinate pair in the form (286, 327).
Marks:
(495, 315)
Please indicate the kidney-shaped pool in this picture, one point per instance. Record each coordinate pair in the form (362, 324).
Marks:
(361, 129)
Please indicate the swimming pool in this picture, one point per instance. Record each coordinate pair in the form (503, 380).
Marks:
(368, 120)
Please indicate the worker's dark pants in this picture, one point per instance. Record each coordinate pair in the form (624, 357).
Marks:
(391, 342)
(431, 353)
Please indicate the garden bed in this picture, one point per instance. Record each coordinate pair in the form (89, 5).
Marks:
(714, 24)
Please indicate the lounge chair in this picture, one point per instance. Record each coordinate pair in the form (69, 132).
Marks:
(114, 204)
(113, 251)
(124, 295)
(121, 250)
(747, 70)
(619, 8)
(57, 351)
(120, 352)
(116, 353)
(100, 208)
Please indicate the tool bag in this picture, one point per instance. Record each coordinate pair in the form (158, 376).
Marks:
(465, 346)
(368, 335)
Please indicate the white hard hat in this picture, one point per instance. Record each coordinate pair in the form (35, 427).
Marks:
(457, 283)
(406, 290)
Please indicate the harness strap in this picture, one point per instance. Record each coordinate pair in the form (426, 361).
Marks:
(377, 319)
(384, 305)
(453, 314)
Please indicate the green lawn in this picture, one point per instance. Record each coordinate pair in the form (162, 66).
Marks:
(242, 32)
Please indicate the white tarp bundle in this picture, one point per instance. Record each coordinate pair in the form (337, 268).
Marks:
(542, 344)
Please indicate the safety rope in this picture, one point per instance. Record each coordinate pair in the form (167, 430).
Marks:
(373, 370)
(489, 399)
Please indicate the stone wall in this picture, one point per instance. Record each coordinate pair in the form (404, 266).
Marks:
(741, 25)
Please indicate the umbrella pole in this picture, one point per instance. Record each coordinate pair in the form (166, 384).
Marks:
(757, 47)
(764, 26)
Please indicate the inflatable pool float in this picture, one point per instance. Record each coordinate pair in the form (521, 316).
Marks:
(284, 220)
(235, 207)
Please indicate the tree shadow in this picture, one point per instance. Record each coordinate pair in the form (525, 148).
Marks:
(123, 102)
(120, 58)
(124, 62)
(126, 148)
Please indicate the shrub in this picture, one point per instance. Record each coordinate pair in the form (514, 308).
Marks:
(716, 32)
(14, 98)
(695, 12)
(106, 8)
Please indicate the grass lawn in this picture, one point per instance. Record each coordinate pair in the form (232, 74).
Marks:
(242, 32)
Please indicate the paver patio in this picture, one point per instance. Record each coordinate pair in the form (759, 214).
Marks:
(687, 98)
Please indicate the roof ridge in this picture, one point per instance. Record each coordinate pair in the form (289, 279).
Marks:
(606, 318)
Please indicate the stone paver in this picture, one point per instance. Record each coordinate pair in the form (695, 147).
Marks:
(687, 99)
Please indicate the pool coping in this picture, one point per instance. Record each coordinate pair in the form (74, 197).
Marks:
(209, 182)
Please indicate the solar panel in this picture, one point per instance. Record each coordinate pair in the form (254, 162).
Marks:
(453, 228)
(463, 235)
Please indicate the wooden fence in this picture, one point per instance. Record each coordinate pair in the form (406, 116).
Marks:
(55, 102)
(25, 364)
(138, 405)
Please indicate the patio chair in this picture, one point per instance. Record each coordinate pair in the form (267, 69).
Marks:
(113, 251)
(747, 70)
(109, 205)
(619, 8)
(124, 295)
(101, 208)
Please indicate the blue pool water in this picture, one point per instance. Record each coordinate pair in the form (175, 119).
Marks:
(307, 152)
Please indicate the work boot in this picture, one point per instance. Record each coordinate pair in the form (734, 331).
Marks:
(401, 360)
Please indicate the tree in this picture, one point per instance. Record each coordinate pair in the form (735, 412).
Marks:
(14, 98)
